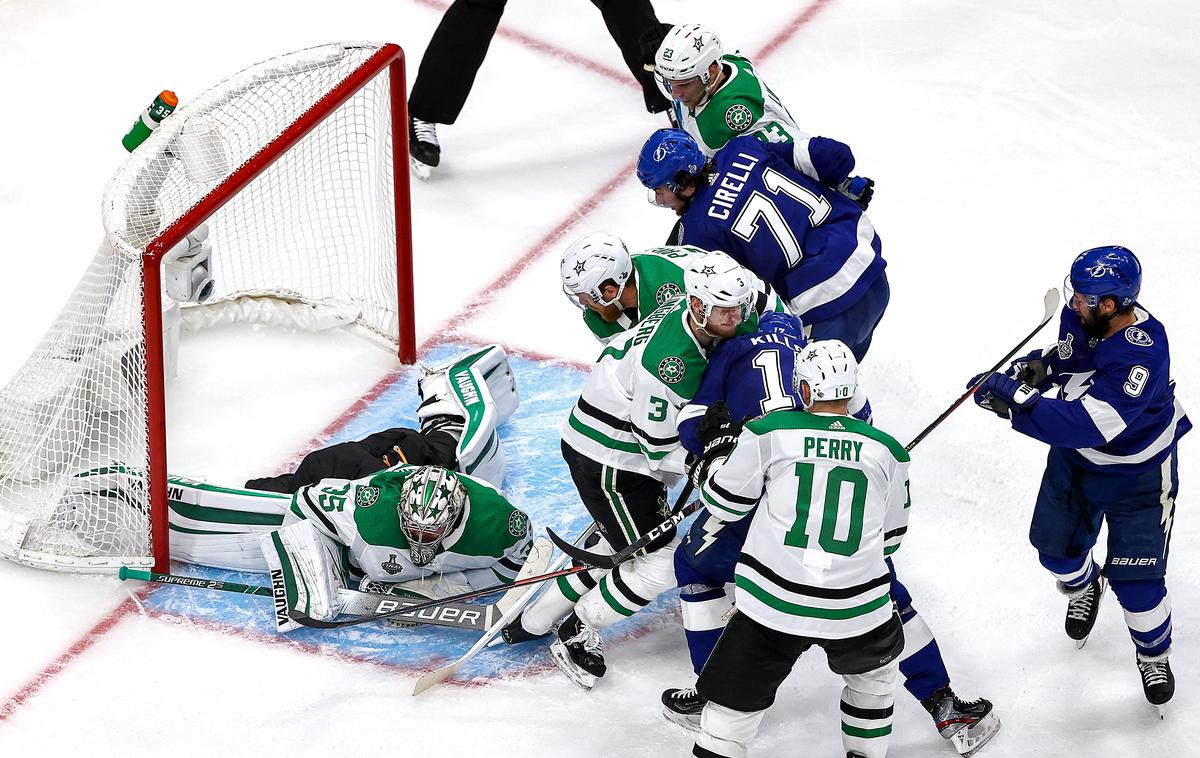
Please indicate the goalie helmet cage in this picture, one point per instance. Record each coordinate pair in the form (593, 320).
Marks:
(298, 169)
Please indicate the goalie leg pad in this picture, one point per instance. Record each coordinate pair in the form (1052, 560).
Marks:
(306, 573)
(221, 526)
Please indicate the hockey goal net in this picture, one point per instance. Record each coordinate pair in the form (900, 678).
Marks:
(295, 169)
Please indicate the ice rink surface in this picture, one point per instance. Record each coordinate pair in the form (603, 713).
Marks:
(1004, 138)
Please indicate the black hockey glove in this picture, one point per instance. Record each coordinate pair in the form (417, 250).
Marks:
(718, 433)
(860, 189)
(1031, 369)
(649, 43)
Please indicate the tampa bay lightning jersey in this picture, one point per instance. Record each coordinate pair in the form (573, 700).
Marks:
(752, 374)
(1116, 409)
(811, 243)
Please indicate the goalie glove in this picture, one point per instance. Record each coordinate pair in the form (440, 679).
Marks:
(718, 433)
(1004, 396)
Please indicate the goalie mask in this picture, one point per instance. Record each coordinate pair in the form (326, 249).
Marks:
(431, 501)
(717, 281)
(591, 261)
(830, 371)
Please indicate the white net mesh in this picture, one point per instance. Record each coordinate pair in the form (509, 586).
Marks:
(316, 229)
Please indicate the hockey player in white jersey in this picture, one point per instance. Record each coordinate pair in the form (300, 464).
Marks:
(622, 447)
(616, 289)
(832, 499)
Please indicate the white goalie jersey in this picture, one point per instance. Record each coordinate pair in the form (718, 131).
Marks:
(832, 497)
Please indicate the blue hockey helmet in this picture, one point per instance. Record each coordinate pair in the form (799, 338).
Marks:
(782, 323)
(1111, 271)
(665, 154)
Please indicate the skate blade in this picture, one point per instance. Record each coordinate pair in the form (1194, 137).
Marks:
(1162, 711)
(1080, 643)
(690, 723)
(971, 740)
(419, 169)
(562, 659)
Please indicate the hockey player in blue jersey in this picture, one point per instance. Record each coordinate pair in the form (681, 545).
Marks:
(748, 377)
(776, 208)
(1112, 432)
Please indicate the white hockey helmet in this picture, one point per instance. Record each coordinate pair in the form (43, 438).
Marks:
(431, 500)
(829, 369)
(592, 260)
(718, 281)
(688, 51)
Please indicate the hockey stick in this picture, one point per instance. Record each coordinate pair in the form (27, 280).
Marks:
(301, 618)
(610, 561)
(456, 615)
(1050, 301)
(437, 676)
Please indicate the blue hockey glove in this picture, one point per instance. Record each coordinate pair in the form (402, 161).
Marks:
(1031, 369)
(860, 189)
(1004, 395)
(718, 433)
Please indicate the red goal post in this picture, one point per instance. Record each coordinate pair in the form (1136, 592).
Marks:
(291, 180)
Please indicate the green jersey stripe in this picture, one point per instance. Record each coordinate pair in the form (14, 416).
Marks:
(598, 436)
(792, 609)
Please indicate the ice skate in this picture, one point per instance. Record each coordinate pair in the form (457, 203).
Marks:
(1083, 606)
(515, 633)
(684, 706)
(1158, 683)
(578, 653)
(968, 725)
(424, 152)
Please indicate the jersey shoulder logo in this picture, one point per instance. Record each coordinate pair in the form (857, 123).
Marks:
(366, 496)
(391, 566)
(1065, 350)
(1138, 337)
(518, 523)
(738, 117)
(671, 370)
(668, 291)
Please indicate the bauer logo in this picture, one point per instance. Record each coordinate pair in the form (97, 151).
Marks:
(1138, 337)
(738, 118)
(1144, 561)
(671, 370)
(366, 496)
(518, 524)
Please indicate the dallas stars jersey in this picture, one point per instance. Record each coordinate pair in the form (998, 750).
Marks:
(658, 276)
(491, 535)
(626, 417)
(832, 496)
(743, 104)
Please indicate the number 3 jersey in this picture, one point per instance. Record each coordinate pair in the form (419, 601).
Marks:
(812, 244)
(832, 497)
(488, 542)
(1116, 409)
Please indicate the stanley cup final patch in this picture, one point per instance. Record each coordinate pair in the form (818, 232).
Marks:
(738, 117)
(671, 370)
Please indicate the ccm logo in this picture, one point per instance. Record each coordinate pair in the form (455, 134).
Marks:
(1133, 561)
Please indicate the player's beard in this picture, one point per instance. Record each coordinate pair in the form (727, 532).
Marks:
(1096, 326)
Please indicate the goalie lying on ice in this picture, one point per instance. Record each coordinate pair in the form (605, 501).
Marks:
(417, 531)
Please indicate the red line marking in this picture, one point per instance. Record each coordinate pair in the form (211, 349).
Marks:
(542, 46)
(486, 296)
(128, 606)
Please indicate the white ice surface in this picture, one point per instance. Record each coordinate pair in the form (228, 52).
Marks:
(1004, 137)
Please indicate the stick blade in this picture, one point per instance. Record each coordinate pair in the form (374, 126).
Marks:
(434, 678)
(1051, 303)
(579, 554)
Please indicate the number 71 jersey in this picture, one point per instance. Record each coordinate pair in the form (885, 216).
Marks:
(832, 498)
(811, 243)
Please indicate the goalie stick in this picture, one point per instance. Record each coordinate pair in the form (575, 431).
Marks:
(598, 560)
(521, 581)
(455, 615)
